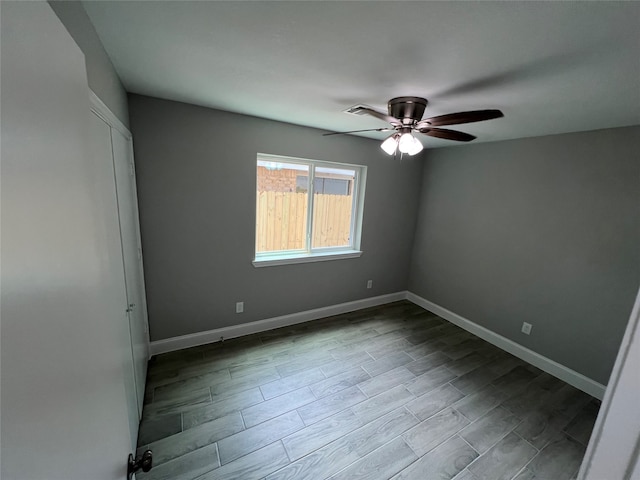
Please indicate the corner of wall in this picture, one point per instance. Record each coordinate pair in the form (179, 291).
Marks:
(101, 73)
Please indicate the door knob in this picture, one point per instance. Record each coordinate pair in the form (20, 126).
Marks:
(144, 462)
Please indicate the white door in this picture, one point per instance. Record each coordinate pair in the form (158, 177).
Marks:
(64, 403)
(132, 254)
(102, 149)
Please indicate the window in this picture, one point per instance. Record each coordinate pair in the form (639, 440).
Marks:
(307, 210)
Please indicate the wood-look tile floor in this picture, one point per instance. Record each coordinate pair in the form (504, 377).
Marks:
(392, 392)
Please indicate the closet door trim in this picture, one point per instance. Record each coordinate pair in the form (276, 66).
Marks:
(100, 109)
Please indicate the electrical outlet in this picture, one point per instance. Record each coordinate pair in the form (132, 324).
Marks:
(369, 283)
(526, 328)
(239, 307)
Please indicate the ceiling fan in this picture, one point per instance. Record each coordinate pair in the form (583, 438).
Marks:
(405, 117)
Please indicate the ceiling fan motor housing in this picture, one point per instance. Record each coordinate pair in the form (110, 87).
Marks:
(407, 109)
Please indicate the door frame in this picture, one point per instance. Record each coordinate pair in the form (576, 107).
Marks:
(614, 447)
(100, 109)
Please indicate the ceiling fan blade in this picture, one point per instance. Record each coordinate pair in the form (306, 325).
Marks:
(460, 117)
(382, 116)
(356, 131)
(447, 134)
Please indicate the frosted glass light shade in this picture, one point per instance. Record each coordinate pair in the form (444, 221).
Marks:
(405, 142)
(390, 145)
(409, 144)
(416, 147)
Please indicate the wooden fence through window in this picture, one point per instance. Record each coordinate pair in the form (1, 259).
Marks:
(281, 219)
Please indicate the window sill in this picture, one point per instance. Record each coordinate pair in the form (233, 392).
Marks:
(288, 259)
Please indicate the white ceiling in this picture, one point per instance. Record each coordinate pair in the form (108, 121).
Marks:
(551, 67)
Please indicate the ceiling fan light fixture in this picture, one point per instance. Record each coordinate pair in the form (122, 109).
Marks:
(390, 144)
(409, 144)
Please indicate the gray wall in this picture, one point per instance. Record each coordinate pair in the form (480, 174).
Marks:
(101, 74)
(196, 172)
(544, 230)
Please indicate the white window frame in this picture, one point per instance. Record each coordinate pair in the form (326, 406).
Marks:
(309, 254)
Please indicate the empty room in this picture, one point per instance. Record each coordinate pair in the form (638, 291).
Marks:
(269, 240)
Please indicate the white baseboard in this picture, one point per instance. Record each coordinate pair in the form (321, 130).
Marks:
(554, 368)
(210, 336)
